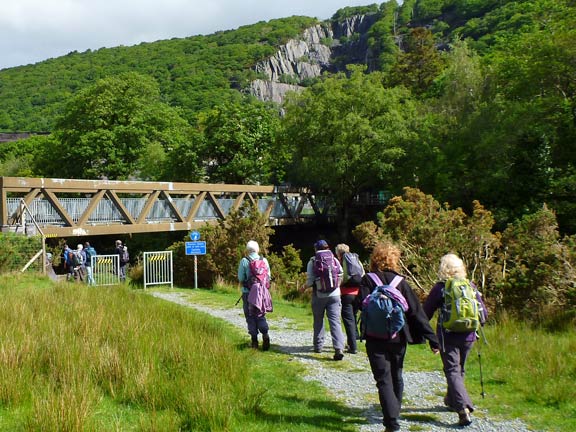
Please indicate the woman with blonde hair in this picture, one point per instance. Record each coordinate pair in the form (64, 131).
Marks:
(455, 345)
(386, 356)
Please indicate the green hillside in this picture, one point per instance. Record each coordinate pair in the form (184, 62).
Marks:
(193, 73)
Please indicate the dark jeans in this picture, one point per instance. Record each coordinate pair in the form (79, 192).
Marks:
(454, 358)
(387, 362)
(349, 312)
(255, 324)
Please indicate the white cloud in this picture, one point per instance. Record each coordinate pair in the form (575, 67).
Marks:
(34, 30)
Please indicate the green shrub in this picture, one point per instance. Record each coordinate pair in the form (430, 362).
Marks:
(539, 277)
(426, 230)
(225, 244)
(16, 250)
(286, 271)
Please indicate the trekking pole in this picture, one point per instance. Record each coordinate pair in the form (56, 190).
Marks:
(480, 360)
(481, 376)
(238, 301)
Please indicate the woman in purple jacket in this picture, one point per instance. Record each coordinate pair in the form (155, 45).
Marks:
(455, 345)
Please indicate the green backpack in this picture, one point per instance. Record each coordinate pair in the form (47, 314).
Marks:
(461, 312)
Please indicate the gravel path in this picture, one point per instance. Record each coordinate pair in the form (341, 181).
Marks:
(353, 384)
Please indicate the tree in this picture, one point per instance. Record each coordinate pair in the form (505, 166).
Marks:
(346, 134)
(108, 127)
(420, 64)
(239, 143)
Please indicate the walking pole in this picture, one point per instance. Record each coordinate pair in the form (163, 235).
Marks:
(238, 301)
(481, 377)
(480, 362)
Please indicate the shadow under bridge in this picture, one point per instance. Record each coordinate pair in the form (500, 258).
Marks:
(66, 207)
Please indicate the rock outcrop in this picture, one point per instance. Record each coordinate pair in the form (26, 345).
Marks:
(319, 49)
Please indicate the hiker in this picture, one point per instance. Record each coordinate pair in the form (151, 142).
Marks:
(456, 345)
(254, 277)
(323, 275)
(386, 355)
(90, 252)
(119, 250)
(349, 290)
(79, 260)
(68, 261)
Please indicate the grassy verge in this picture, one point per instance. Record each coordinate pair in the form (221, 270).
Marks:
(527, 373)
(100, 359)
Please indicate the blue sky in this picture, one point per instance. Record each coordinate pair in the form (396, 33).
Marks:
(36, 30)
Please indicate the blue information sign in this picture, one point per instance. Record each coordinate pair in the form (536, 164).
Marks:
(196, 248)
(194, 236)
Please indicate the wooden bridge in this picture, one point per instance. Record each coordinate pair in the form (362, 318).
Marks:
(64, 207)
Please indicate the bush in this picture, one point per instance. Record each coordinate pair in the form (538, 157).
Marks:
(286, 275)
(539, 273)
(225, 244)
(16, 250)
(426, 230)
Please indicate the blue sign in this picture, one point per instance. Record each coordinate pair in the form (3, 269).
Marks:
(194, 236)
(196, 248)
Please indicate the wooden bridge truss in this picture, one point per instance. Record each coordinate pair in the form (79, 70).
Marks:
(64, 207)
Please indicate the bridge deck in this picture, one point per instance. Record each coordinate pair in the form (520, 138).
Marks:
(63, 207)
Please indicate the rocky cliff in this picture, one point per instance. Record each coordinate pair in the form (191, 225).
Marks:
(328, 46)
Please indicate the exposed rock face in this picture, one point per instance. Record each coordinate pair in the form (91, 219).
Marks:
(272, 91)
(299, 59)
(311, 55)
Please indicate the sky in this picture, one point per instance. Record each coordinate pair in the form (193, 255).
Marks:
(36, 30)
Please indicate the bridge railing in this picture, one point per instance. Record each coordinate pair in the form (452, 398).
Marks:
(90, 207)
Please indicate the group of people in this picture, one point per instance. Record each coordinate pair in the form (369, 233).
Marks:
(78, 262)
(341, 304)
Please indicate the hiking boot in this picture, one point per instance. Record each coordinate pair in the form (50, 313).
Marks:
(338, 355)
(254, 343)
(464, 418)
(265, 342)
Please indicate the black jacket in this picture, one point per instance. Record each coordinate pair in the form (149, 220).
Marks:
(417, 329)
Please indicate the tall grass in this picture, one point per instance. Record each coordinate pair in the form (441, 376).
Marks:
(63, 350)
(530, 373)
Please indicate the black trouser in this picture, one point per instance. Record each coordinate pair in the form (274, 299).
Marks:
(349, 318)
(387, 362)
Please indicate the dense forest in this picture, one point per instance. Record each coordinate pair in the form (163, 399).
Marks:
(465, 100)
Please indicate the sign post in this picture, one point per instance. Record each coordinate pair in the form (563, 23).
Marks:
(195, 248)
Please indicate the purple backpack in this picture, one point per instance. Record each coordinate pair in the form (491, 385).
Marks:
(259, 273)
(326, 269)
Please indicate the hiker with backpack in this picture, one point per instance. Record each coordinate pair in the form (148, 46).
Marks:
(90, 252)
(123, 257)
(78, 261)
(323, 275)
(461, 313)
(68, 262)
(254, 277)
(349, 288)
(392, 317)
